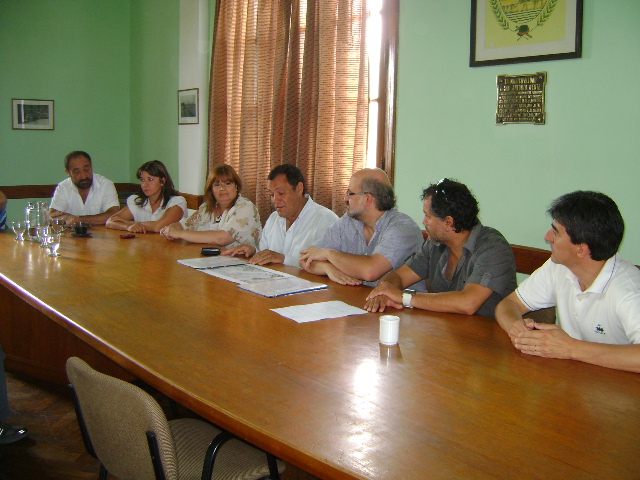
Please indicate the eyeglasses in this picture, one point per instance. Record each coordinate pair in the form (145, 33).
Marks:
(223, 184)
(351, 194)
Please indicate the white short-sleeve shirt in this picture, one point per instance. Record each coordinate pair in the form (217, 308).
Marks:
(607, 312)
(143, 213)
(312, 222)
(102, 196)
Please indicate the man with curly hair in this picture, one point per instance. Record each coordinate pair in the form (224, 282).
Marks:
(469, 268)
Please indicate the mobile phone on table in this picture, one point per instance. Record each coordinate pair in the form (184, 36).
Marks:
(128, 235)
(210, 251)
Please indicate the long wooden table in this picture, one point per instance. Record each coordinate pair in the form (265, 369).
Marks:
(453, 401)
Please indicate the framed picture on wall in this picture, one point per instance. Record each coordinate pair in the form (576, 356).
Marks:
(518, 31)
(32, 114)
(188, 106)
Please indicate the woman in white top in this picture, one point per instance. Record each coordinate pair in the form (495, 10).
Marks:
(225, 219)
(156, 206)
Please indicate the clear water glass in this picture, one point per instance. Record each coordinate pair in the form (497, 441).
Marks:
(44, 233)
(18, 229)
(57, 224)
(53, 244)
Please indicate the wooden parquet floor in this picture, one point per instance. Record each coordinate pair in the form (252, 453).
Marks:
(54, 448)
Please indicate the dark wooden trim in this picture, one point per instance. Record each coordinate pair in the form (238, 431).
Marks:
(28, 191)
(387, 94)
(529, 259)
(46, 191)
(123, 189)
(193, 201)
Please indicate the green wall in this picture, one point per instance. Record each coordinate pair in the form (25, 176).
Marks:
(75, 52)
(154, 83)
(446, 120)
(112, 69)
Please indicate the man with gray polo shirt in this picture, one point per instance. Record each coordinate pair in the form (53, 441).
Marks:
(469, 268)
(371, 239)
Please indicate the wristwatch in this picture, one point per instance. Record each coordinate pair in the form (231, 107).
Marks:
(407, 296)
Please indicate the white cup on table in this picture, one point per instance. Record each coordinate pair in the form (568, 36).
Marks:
(389, 329)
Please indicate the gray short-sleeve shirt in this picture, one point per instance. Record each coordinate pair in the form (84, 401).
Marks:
(396, 237)
(488, 260)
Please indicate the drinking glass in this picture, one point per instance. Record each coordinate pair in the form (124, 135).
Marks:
(57, 224)
(44, 234)
(53, 244)
(18, 229)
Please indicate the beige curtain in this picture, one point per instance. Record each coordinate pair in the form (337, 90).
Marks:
(289, 84)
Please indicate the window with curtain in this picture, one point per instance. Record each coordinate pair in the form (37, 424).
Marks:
(289, 84)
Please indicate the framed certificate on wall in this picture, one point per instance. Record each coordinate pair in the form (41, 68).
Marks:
(518, 31)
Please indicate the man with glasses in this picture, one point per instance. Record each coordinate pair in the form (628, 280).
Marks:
(468, 267)
(596, 293)
(297, 222)
(371, 239)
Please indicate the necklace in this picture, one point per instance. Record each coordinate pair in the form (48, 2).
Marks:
(218, 218)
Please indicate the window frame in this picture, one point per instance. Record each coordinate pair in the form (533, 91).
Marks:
(386, 132)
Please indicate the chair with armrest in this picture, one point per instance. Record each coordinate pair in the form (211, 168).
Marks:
(127, 431)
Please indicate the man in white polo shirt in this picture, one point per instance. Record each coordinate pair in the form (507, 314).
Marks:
(84, 196)
(297, 222)
(597, 293)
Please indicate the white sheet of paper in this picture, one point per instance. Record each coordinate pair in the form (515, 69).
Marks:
(318, 311)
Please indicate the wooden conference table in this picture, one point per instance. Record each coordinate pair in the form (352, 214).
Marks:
(453, 401)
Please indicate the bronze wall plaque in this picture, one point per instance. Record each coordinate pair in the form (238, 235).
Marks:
(521, 98)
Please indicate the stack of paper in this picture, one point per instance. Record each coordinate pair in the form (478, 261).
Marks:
(254, 278)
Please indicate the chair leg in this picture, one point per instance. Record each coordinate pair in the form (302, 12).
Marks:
(154, 451)
(274, 474)
(212, 453)
(83, 428)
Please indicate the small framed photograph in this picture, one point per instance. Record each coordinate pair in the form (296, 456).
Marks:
(188, 106)
(32, 114)
(519, 31)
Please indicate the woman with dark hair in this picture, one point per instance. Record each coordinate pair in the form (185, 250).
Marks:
(156, 206)
(225, 219)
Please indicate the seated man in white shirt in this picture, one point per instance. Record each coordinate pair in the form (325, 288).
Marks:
(84, 196)
(371, 239)
(597, 293)
(297, 222)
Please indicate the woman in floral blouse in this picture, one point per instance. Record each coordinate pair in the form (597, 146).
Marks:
(225, 219)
